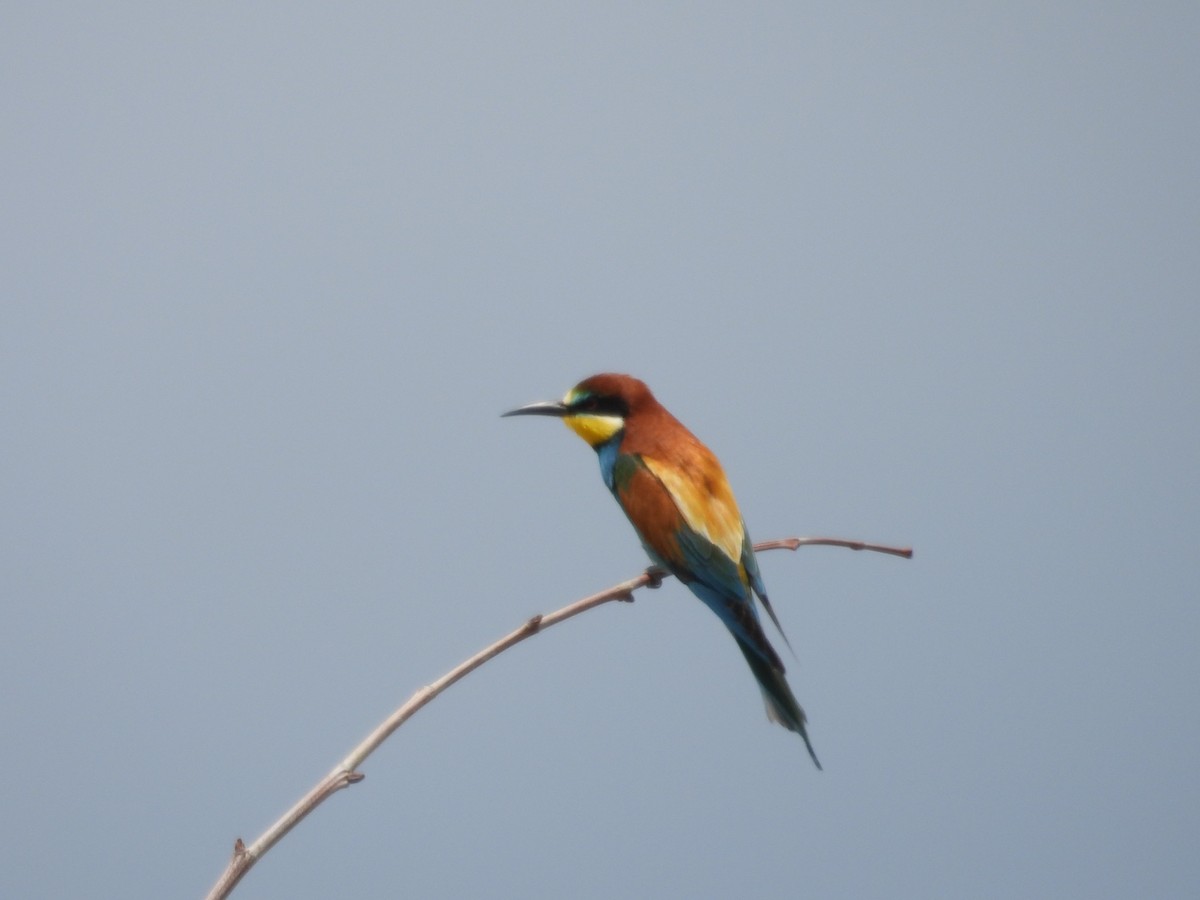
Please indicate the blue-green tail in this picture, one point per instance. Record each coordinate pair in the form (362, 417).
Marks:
(782, 706)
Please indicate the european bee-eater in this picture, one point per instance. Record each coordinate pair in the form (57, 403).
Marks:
(673, 490)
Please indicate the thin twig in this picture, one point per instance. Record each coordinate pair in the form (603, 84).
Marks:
(344, 774)
(795, 543)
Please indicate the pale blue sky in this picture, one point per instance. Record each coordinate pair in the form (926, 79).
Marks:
(923, 275)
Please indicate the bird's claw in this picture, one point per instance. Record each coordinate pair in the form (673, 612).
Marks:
(654, 577)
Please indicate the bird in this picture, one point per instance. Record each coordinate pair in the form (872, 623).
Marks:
(674, 492)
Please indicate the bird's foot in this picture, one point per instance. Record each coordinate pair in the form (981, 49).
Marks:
(655, 576)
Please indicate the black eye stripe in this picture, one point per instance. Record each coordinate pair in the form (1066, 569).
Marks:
(600, 405)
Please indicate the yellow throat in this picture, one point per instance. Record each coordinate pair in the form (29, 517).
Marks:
(594, 429)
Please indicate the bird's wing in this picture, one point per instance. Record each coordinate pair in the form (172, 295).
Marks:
(713, 574)
(706, 503)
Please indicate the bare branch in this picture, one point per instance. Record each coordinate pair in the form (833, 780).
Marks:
(795, 543)
(344, 774)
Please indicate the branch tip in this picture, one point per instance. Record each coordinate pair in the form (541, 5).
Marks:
(354, 777)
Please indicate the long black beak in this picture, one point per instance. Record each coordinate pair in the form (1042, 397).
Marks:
(547, 408)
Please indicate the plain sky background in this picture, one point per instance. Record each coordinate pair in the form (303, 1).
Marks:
(919, 274)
